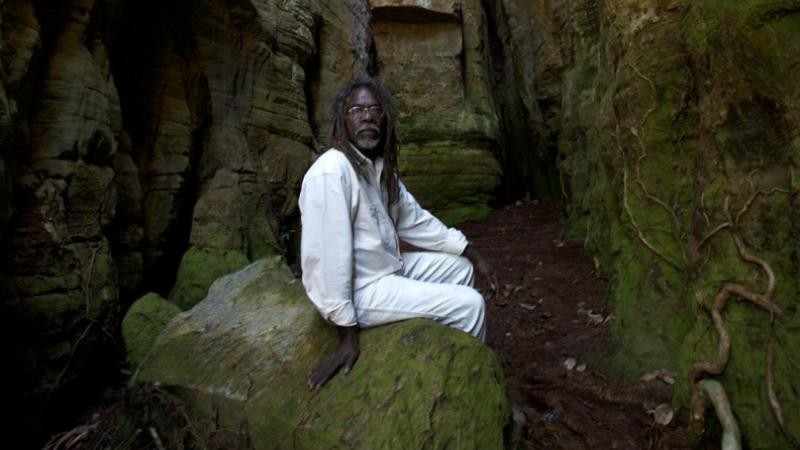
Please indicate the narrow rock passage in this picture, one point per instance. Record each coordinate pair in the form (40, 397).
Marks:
(551, 330)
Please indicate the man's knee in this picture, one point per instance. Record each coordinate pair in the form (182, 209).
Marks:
(474, 302)
(467, 271)
(474, 319)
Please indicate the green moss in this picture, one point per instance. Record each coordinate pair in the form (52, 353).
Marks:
(142, 324)
(242, 357)
(199, 268)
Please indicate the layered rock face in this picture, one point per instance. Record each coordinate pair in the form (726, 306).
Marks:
(148, 142)
(240, 358)
(154, 146)
(676, 124)
(432, 56)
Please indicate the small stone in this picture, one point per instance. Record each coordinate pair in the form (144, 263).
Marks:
(569, 363)
(518, 203)
(594, 318)
(527, 306)
(580, 367)
(663, 414)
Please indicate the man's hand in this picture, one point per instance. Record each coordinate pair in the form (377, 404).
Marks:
(344, 357)
(485, 269)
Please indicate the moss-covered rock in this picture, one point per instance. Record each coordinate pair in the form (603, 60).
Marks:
(678, 132)
(199, 268)
(240, 359)
(144, 321)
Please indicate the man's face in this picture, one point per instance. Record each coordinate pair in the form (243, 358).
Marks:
(364, 119)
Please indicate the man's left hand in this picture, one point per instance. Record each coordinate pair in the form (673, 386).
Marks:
(485, 269)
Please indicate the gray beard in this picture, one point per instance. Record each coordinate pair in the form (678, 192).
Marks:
(367, 143)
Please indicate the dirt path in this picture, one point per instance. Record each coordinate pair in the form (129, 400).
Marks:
(550, 310)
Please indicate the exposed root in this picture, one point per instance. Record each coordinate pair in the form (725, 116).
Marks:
(70, 439)
(724, 349)
(638, 132)
(156, 439)
(764, 301)
(773, 399)
(713, 232)
(711, 391)
(636, 228)
(661, 374)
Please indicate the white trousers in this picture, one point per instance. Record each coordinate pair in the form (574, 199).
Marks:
(436, 286)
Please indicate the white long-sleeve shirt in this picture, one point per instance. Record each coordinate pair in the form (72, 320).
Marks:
(348, 237)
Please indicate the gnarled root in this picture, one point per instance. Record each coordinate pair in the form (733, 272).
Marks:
(711, 391)
(700, 393)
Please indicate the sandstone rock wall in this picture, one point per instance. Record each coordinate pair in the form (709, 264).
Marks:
(158, 145)
(676, 125)
(527, 65)
(146, 142)
(432, 56)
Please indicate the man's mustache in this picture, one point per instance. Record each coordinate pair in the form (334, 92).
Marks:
(369, 127)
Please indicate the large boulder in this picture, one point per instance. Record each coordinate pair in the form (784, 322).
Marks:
(240, 359)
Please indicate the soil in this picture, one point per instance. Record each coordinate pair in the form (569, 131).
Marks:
(549, 310)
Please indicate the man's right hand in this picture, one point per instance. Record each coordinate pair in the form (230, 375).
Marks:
(343, 357)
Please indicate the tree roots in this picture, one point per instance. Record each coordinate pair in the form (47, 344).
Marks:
(711, 391)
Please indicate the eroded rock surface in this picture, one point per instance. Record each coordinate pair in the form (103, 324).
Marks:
(135, 133)
(432, 56)
(240, 358)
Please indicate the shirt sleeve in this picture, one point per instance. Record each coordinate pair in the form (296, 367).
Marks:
(326, 246)
(418, 227)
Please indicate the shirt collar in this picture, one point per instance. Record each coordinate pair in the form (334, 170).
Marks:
(377, 165)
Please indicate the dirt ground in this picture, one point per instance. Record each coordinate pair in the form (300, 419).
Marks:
(549, 326)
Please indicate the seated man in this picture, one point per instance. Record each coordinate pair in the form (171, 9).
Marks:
(355, 210)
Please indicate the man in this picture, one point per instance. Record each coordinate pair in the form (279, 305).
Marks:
(354, 213)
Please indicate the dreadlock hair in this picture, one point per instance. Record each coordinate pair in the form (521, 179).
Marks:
(339, 140)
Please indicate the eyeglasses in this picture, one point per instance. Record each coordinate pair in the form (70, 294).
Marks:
(359, 111)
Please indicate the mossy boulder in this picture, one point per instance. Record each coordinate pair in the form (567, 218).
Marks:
(240, 359)
(199, 268)
(144, 321)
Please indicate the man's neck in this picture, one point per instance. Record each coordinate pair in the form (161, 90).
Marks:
(370, 154)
